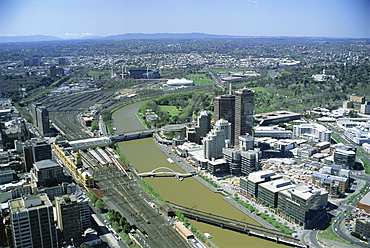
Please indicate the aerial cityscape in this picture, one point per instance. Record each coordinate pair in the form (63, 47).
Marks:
(197, 124)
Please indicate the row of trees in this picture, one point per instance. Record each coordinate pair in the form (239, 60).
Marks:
(98, 203)
(119, 222)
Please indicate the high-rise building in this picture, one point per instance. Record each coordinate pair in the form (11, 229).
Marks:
(43, 120)
(32, 222)
(224, 108)
(250, 161)
(73, 218)
(244, 111)
(232, 156)
(47, 173)
(35, 150)
(1, 87)
(217, 139)
(56, 71)
(195, 134)
(62, 61)
(345, 156)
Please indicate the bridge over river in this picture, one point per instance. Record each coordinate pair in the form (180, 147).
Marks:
(239, 226)
(139, 134)
(164, 171)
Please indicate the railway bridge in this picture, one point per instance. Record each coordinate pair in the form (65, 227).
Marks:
(238, 226)
(139, 134)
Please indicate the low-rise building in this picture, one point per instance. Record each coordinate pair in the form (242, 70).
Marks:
(6, 176)
(303, 204)
(366, 147)
(315, 132)
(335, 185)
(364, 203)
(357, 135)
(363, 227)
(268, 191)
(249, 184)
(344, 155)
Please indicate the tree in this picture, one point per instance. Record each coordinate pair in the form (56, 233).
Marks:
(352, 114)
(99, 204)
(94, 125)
(93, 198)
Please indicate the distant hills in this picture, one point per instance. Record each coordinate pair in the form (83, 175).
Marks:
(135, 36)
(28, 38)
(128, 36)
(141, 36)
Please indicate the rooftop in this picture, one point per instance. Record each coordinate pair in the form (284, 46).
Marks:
(30, 202)
(366, 199)
(277, 185)
(45, 164)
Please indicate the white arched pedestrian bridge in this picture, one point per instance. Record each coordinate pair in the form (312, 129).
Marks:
(164, 171)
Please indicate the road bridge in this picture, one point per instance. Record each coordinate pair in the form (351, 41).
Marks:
(164, 171)
(239, 226)
(139, 134)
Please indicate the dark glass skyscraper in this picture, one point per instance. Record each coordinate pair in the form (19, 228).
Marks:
(244, 111)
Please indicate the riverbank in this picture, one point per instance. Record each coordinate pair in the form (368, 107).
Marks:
(181, 162)
(144, 155)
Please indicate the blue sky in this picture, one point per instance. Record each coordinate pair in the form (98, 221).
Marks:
(77, 18)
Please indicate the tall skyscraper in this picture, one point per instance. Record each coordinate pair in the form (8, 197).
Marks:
(244, 111)
(224, 108)
(32, 222)
(73, 218)
(36, 150)
(1, 86)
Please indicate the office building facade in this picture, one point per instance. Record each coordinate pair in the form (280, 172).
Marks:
(36, 150)
(345, 156)
(47, 173)
(244, 111)
(303, 205)
(73, 218)
(224, 108)
(250, 161)
(32, 222)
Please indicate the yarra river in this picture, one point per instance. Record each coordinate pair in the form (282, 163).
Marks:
(144, 155)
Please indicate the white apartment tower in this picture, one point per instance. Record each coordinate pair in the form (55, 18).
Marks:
(218, 138)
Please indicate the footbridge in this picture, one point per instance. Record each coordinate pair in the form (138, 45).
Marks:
(139, 134)
(238, 226)
(164, 171)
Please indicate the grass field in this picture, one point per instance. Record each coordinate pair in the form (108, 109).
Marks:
(338, 139)
(196, 76)
(366, 166)
(329, 234)
(203, 81)
(94, 73)
(171, 110)
(260, 89)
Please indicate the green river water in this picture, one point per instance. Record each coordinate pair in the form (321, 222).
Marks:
(144, 155)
